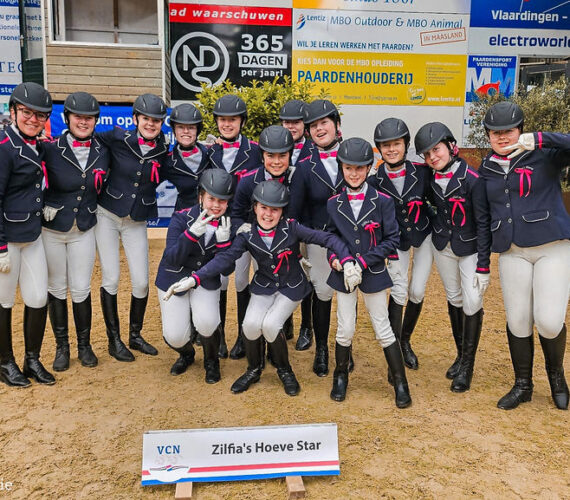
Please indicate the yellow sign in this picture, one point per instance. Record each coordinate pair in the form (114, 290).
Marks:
(394, 79)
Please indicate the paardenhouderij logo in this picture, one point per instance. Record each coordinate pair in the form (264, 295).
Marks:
(199, 57)
(301, 21)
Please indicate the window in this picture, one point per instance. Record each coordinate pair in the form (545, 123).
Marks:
(106, 21)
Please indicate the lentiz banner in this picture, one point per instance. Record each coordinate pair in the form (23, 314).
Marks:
(122, 116)
(212, 43)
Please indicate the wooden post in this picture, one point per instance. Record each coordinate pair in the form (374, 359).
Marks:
(183, 491)
(295, 487)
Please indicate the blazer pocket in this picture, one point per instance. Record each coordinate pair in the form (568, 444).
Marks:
(172, 270)
(147, 200)
(92, 210)
(437, 230)
(16, 216)
(536, 216)
(260, 284)
(421, 228)
(298, 282)
(113, 193)
(467, 237)
(496, 224)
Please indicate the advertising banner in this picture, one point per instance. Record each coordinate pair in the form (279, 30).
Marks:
(487, 75)
(235, 454)
(380, 32)
(212, 43)
(10, 57)
(515, 27)
(396, 79)
(122, 116)
(457, 6)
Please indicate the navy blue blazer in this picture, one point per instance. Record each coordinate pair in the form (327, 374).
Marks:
(305, 150)
(279, 269)
(21, 190)
(462, 216)
(72, 190)
(242, 202)
(185, 252)
(184, 180)
(130, 187)
(412, 211)
(248, 157)
(370, 239)
(311, 187)
(525, 204)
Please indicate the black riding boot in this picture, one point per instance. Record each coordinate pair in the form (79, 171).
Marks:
(554, 360)
(340, 377)
(284, 371)
(522, 355)
(186, 358)
(117, 348)
(395, 362)
(321, 324)
(305, 339)
(238, 350)
(34, 329)
(288, 328)
(57, 309)
(211, 346)
(411, 316)
(395, 311)
(471, 335)
(136, 317)
(82, 317)
(223, 350)
(254, 354)
(456, 319)
(10, 373)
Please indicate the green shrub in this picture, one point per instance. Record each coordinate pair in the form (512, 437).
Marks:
(263, 100)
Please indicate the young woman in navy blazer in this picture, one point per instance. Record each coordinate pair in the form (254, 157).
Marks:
(22, 258)
(127, 200)
(531, 232)
(291, 116)
(317, 179)
(237, 155)
(364, 218)
(279, 283)
(460, 239)
(76, 164)
(194, 236)
(408, 184)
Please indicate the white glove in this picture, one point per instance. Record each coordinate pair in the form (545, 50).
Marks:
(525, 143)
(4, 262)
(223, 230)
(180, 286)
(481, 282)
(49, 213)
(352, 276)
(200, 224)
(306, 265)
(394, 269)
(244, 228)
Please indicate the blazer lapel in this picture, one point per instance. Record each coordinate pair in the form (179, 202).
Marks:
(369, 203)
(281, 234)
(385, 184)
(343, 207)
(411, 179)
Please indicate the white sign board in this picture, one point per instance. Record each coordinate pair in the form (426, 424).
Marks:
(239, 453)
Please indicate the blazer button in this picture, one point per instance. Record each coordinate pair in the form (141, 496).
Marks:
(83, 175)
(37, 214)
(136, 184)
(357, 241)
(83, 188)
(272, 266)
(138, 173)
(508, 205)
(403, 211)
(405, 220)
(449, 231)
(38, 199)
(141, 162)
(38, 186)
(358, 255)
(355, 228)
(133, 195)
(198, 263)
(505, 176)
(448, 221)
(409, 229)
(509, 220)
(79, 198)
(75, 210)
(506, 190)
(276, 284)
(203, 253)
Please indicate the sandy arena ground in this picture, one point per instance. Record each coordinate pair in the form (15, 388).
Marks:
(82, 438)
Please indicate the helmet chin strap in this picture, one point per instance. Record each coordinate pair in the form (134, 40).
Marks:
(454, 153)
(397, 164)
(186, 148)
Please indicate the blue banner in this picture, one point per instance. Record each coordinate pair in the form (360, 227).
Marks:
(490, 75)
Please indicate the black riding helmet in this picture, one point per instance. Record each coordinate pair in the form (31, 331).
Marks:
(292, 110)
(321, 108)
(217, 182)
(272, 194)
(276, 139)
(355, 151)
(186, 114)
(33, 96)
(504, 115)
(391, 129)
(431, 134)
(150, 105)
(230, 105)
(81, 103)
